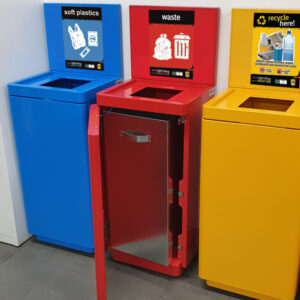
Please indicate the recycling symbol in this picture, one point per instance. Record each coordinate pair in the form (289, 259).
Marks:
(261, 20)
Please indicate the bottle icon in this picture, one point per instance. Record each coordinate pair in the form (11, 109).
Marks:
(278, 52)
(288, 47)
(263, 43)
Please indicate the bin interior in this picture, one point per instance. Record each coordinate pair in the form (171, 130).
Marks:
(267, 104)
(65, 83)
(158, 93)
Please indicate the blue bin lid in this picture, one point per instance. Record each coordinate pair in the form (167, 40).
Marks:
(84, 38)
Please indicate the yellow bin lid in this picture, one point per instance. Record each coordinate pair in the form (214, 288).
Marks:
(260, 107)
(263, 81)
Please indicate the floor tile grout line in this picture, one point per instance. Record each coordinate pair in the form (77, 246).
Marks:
(35, 259)
(77, 272)
(61, 266)
(45, 262)
(40, 284)
(9, 258)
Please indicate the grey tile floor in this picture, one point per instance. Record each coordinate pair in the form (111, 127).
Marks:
(38, 271)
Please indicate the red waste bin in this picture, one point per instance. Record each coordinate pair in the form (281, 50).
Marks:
(144, 140)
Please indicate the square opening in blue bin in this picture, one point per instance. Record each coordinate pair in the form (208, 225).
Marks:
(66, 83)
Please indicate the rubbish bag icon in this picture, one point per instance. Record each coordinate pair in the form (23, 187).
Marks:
(77, 37)
(162, 50)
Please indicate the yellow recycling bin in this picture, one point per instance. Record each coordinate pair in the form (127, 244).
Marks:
(250, 163)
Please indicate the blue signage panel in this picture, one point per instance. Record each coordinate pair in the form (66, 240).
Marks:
(83, 37)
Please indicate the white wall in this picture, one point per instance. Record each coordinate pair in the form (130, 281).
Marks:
(22, 53)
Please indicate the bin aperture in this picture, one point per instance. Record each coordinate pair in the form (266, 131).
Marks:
(157, 93)
(65, 83)
(267, 104)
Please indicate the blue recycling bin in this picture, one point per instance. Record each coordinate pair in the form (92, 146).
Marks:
(50, 120)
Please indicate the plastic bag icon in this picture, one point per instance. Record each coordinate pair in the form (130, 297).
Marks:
(77, 37)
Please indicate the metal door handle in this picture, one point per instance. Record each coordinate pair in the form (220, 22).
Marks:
(136, 136)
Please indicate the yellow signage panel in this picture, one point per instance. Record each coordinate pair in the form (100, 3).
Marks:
(264, 46)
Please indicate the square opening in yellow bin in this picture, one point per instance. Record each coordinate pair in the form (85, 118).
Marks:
(267, 104)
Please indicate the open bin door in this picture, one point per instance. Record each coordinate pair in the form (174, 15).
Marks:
(97, 199)
(136, 151)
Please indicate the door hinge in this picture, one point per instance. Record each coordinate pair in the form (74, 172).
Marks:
(101, 124)
(180, 194)
(181, 120)
(107, 231)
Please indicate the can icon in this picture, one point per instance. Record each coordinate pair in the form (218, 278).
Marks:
(182, 46)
